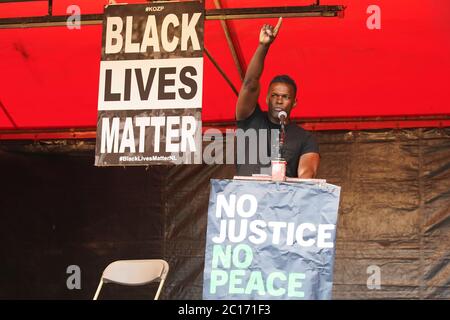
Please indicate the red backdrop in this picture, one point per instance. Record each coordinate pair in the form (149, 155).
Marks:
(49, 76)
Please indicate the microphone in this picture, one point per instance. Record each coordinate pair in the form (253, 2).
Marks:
(282, 115)
(279, 164)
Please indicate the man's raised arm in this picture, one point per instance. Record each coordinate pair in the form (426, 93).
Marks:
(248, 95)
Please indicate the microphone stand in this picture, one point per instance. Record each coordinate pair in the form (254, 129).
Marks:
(279, 164)
(281, 139)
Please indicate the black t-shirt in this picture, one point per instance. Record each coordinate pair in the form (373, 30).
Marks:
(297, 142)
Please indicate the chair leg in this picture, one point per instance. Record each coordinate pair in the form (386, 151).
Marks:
(98, 289)
(159, 289)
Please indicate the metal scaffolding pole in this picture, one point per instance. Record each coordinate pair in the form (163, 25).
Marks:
(213, 14)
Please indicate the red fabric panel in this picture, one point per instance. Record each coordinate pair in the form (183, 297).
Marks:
(5, 123)
(344, 69)
(86, 6)
(23, 9)
(218, 97)
(50, 75)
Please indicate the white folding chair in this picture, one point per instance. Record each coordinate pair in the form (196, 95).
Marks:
(135, 273)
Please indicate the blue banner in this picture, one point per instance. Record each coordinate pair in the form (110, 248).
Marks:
(268, 240)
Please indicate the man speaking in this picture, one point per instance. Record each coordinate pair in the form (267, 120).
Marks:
(299, 149)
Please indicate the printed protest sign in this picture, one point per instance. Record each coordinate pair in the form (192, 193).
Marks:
(150, 87)
(269, 240)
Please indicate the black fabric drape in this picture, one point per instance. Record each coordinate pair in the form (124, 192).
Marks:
(58, 210)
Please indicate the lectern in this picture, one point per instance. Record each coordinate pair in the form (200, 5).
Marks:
(270, 239)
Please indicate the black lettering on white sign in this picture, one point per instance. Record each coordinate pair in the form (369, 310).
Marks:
(150, 88)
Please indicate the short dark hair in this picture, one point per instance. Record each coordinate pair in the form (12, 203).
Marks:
(284, 78)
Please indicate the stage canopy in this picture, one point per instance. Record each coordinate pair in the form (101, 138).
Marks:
(49, 75)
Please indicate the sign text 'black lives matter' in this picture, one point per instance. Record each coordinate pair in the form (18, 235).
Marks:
(150, 87)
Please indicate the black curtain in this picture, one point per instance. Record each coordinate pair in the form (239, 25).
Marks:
(58, 210)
